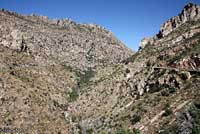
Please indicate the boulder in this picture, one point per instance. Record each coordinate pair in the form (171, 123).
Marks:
(68, 117)
(140, 87)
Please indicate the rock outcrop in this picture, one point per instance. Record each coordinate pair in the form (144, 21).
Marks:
(190, 12)
(145, 41)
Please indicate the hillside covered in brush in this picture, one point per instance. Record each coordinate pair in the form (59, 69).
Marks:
(58, 76)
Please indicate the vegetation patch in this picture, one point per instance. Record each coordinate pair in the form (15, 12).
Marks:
(195, 113)
(89, 131)
(84, 78)
(167, 112)
(135, 118)
(73, 95)
(197, 103)
(154, 87)
(127, 131)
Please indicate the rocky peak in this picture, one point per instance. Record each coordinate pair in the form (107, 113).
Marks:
(190, 12)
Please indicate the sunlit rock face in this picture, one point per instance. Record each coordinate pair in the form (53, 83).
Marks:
(190, 12)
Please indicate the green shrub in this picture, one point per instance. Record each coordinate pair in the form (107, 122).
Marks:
(164, 93)
(168, 129)
(154, 87)
(197, 103)
(136, 131)
(167, 112)
(84, 78)
(89, 131)
(127, 131)
(124, 131)
(195, 113)
(172, 90)
(73, 96)
(102, 132)
(135, 118)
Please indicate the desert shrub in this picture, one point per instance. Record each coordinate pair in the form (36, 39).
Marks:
(154, 87)
(89, 131)
(171, 90)
(123, 131)
(197, 103)
(135, 118)
(171, 129)
(167, 112)
(195, 113)
(102, 132)
(136, 131)
(127, 131)
(183, 76)
(167, 91)
(73, 95)
(164, 93)
(84, 78)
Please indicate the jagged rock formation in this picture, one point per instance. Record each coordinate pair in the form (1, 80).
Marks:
(190, 12)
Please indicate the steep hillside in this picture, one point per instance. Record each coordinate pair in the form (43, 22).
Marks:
(57, 76)
(43, 66)
(154, 91)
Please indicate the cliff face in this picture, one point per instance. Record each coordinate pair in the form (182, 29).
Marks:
(190, 12)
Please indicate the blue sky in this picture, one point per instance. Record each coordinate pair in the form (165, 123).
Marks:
(129, 20)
